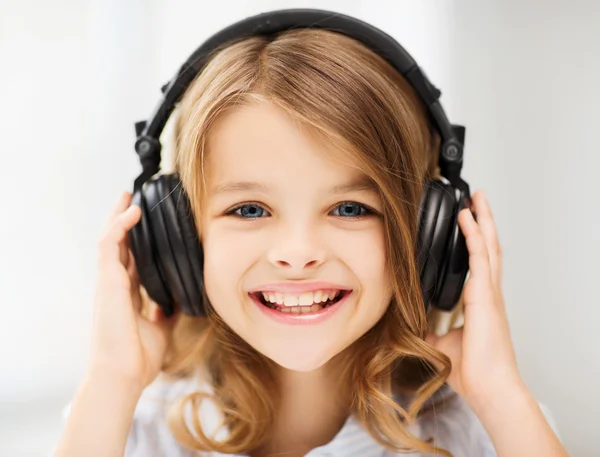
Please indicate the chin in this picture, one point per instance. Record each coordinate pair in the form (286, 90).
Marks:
(305, 360)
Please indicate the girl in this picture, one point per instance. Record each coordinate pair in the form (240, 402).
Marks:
(304, 169)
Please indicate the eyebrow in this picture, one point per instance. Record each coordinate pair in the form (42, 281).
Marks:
(361, 184)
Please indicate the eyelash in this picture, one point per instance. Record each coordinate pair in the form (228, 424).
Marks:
(366, 213)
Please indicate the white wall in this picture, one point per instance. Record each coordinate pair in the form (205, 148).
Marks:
(529, 72)
(76, 75)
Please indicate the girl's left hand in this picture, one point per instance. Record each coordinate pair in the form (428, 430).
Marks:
(483, 358)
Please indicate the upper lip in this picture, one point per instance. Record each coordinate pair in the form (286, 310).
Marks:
(298, 287)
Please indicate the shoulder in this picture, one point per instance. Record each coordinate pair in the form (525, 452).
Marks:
(150, 434)
(454, 426)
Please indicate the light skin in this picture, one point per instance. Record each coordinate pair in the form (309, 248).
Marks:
(295, 231)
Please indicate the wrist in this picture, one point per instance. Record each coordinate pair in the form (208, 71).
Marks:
(100, 416)
(105, 378)
(499, 398)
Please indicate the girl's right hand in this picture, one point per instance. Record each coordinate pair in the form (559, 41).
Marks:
(125, 345)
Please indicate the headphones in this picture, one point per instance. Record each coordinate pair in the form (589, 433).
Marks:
(165, 244)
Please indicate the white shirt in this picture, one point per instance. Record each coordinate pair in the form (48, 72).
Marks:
(454, 427)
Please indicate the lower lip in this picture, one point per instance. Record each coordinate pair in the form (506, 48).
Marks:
(301, 319)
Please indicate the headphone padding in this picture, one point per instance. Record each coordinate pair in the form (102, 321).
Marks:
(457, 265)
(175, 230)
(189, 235)
(437, 225)
(141, 242)
(429, 208)
(164, 250)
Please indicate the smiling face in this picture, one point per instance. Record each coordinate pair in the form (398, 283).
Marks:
(297, 217)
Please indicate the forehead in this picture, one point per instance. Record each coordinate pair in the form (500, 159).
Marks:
(262, 141)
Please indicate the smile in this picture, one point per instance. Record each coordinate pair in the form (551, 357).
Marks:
(313, 314)
(305, 303)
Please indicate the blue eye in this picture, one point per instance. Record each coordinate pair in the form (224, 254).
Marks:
(352, 210)
(248, 211)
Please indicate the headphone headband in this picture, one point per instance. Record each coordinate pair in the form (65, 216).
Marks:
(148, 145)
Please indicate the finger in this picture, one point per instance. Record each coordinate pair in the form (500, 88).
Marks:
(479, 261)
(110, 244)
(132, 269)
(121, 224)
(124, 248)
(486, 222)
(120, 205)
(136, 297)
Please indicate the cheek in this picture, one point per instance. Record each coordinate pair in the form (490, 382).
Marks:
(367, 260)
(364, 254)
(226, 259)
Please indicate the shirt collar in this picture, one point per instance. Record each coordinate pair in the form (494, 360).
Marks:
(351, 441)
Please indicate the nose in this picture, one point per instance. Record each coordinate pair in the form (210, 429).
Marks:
(297, 248)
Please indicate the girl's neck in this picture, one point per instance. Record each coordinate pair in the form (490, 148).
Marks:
(314, 407)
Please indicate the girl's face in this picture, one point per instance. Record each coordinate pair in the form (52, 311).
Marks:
(281, 216)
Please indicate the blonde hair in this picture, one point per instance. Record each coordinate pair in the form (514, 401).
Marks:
(343, 93)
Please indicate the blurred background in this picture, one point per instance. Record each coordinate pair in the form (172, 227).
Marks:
(522, 76)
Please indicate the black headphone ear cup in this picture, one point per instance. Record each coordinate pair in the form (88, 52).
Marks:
(457, 264)
(184, 242)
(165, 256)
(143, 248)
(428, 210)
(436, 224)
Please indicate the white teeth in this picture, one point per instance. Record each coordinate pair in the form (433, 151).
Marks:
(290, 300)
(317, 295)
(302, 309)
(304, 299)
